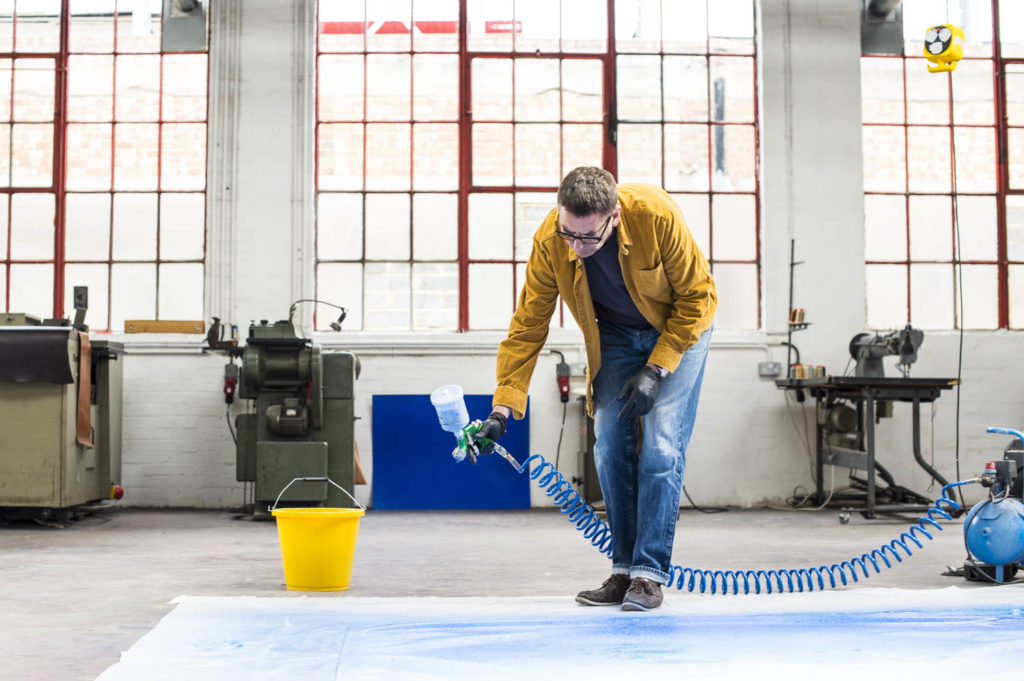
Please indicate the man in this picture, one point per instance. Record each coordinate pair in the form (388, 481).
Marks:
(626, 265)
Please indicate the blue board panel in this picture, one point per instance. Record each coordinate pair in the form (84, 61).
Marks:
(413, 466)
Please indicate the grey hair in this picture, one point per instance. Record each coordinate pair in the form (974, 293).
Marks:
(588, 190)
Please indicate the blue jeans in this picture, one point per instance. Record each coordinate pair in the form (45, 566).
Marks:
(642, 485)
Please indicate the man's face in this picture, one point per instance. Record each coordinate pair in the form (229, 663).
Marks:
(586, 234)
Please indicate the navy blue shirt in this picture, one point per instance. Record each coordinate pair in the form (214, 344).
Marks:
(611, 299)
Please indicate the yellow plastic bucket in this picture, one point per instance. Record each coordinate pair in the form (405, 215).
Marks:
(317, 546)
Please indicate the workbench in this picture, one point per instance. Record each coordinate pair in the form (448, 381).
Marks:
(867, 393)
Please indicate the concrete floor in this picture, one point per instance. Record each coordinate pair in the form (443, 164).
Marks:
(74, 598)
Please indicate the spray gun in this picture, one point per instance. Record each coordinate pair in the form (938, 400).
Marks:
(449, 402)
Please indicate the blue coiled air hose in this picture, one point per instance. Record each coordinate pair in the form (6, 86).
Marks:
(597, 531)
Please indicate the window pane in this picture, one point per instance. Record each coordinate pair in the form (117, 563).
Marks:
(397, 13)
(184, 87)
(732, 89)
(387, 156)
(584, 26)
(975, 169)
(182, 230)
(3, 229)
(638, 25)
(881, 86)
(490, 227)
(686, 157)
(435, 222)
(33, 90)
(638, 88)
(88, 228)
(387, 227)
(976, 216)
(88, 156)
(435, 296)
(931, 296)
(927, 94)
(884, 159)
(32, 289)
(5, 155)
(492, 89)
(137, 30)
(731, 26)
(132, 293)
(91, 87)
(339, 226)
(928, 159)
(582, 90)
(437, 26)
(733, 171)
(340, 155)
(7, 27)
(537, 90)
(1016, 283)
(734, 221)
(341, 28)
(136, 98)
(388, 86)
(684, 26)
(436, 156)
(183, 156)
(885, 227)
(737, 294)
(33, 157)
(435, 87)
(95, 278)
(639, 151)
(981, 297)
(540, 24)
(1014, 81)
(32, 218)
(340, 87)
(341, 284)
(931, 228)
(1015, 138)
(696, 215)
(490, 25)
(181, 291)
(531, 210)
(91, 26)
(492, 154)
(886, 296)
(581, 146)
(490, 296)
(1015, 228)
(537, 156)
(973, 95)
(135, 156)
(686, 83)
(387, 296)
(135, 228)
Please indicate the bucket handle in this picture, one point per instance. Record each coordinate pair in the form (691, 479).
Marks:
(315, 479)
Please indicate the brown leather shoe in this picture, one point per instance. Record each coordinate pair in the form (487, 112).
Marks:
(643, 594)
(610, 593)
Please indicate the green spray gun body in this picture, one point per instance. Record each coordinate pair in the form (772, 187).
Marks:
(451, 412)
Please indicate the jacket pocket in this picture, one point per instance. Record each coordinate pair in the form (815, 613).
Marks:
(653, 283)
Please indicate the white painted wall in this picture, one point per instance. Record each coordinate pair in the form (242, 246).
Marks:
(746, 449)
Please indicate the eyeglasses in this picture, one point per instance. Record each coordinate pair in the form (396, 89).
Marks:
(584, 238)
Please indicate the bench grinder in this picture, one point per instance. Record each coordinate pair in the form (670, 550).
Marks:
(301, 419)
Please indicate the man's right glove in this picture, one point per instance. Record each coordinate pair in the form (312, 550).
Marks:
(491, 429)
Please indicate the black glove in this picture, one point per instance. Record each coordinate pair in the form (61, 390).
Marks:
(640, 392)
(492, 429)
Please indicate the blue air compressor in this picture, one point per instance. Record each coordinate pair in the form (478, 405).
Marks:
(993, 530)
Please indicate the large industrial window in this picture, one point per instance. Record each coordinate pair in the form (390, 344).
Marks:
(931, 164)
(102, 162)
(440, 150)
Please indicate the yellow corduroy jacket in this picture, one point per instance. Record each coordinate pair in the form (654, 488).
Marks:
(666, 275)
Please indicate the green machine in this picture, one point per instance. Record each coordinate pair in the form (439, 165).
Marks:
(301, 419)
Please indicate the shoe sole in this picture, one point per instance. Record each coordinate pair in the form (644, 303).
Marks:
(630, 605)
(585, 601)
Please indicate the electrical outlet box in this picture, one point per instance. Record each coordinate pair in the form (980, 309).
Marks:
(769, 369)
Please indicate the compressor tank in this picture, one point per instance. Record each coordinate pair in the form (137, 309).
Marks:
(994, 531)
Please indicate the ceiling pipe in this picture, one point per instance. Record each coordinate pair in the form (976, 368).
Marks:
(881, 8)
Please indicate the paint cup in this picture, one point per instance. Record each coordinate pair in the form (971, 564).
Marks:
(451, 410)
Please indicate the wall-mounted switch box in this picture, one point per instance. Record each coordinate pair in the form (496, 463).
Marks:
(769, 369)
